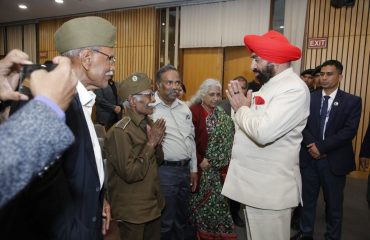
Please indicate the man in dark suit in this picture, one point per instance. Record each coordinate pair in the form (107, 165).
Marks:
(365, 158)
(108, 106)
(91, 53)
(225, 104)
(326, 154)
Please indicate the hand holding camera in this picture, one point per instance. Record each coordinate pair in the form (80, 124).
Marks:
(59, 85)
(10, 66)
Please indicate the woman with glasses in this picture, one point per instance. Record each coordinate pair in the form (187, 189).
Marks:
(214, 133)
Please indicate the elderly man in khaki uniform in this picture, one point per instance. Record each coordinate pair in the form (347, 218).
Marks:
(134, 152)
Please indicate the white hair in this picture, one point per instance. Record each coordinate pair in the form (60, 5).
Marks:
(76, 52)
(203, 89)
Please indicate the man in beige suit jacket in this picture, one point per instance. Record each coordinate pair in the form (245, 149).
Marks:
(264, 168)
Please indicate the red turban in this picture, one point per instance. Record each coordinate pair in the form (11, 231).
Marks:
(273, 47)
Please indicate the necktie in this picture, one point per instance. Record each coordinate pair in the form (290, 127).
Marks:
(324, 112)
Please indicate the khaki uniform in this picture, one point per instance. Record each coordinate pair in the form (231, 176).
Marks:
(133, 180)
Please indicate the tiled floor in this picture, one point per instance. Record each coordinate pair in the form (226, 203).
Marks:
(356, 221)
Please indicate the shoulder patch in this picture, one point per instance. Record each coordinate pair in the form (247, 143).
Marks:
(122, 123)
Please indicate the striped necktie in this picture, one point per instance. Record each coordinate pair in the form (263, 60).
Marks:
(324, 112)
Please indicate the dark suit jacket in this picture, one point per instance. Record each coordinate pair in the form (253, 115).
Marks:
(341, 127)
(365, 147)
(365, 152)
(226, 106)
(65, 202)
(106, 101)
(80, 169)
(24, 155)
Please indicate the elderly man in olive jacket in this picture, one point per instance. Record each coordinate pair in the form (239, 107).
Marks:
(134, 152)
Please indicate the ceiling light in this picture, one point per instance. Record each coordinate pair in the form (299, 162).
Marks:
(282, 27)
(22, 6)
(59, 1)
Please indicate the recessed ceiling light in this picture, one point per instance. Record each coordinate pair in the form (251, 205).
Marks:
(22, 6)
(59, 1)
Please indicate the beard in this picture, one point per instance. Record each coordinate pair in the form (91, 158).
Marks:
(265, 74)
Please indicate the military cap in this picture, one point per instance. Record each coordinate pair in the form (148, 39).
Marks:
(135, 83)
(85, 32)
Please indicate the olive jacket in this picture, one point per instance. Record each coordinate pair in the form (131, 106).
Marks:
(132, 166)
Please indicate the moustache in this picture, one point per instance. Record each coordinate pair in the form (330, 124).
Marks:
(173, 91)
(256, 70)
(110, 73)
(151, 105)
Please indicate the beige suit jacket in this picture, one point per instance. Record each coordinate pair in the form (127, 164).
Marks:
(264, 167)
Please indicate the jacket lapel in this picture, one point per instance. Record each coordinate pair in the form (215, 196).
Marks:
(89, 150)
(334, 109)
(316, 105)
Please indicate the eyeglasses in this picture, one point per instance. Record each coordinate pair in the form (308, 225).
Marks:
(111, 58)
(151, 94)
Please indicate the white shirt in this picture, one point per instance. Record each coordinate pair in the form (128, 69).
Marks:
(330, 102)
(178, 143)
(87, 99)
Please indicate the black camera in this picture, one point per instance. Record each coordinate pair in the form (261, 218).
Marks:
(24, 82)
(28, 69)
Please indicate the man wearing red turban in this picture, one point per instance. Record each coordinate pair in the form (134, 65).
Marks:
(264, 170)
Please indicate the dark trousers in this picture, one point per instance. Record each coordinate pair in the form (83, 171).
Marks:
(175, 187)
(368, 190)
(314, 176)
(146, 231)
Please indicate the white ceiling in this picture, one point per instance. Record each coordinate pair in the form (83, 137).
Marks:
(38, 9)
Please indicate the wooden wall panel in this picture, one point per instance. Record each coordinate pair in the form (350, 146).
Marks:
(135, 48)
(348, 33)
(200, 64)
(237, 62)
(222, 64)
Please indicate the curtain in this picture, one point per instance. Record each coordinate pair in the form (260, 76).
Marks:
(201, 25)
(294, 26)
(244, 17)
(30, 41)
(222, 24)
(14, 38)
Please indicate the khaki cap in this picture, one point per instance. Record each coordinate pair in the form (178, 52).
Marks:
(135, 83)
(85, 32)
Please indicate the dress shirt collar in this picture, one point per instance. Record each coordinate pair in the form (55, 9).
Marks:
(332, 95)
(87, 98)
